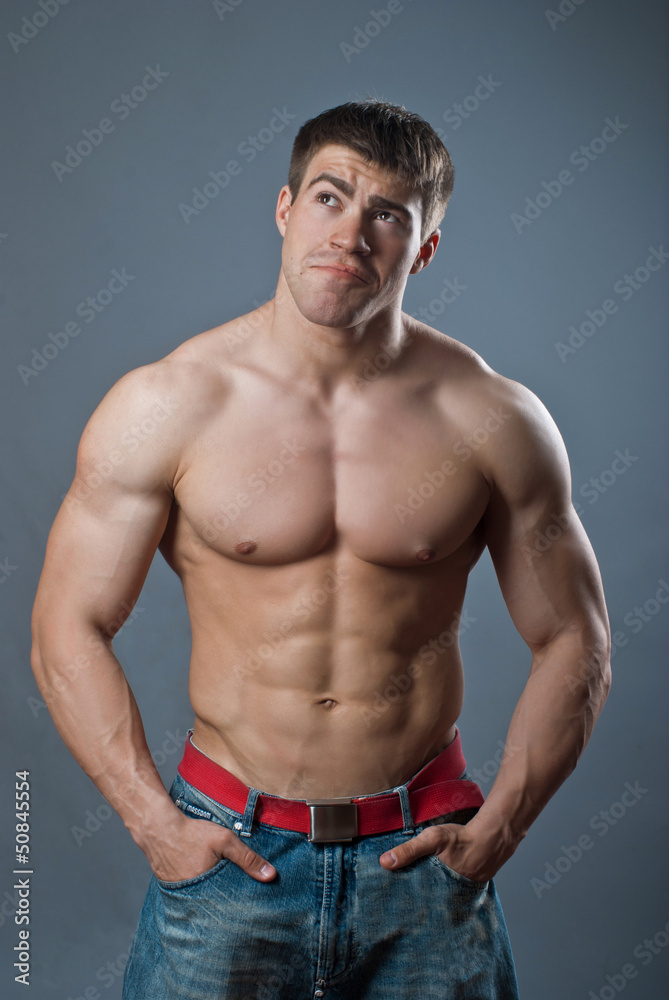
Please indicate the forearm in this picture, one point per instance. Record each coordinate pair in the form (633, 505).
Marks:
(96, 714)
(549, 730)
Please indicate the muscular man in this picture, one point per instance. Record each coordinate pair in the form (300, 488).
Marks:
(323, 474)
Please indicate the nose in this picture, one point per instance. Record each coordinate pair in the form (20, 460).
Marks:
(349, 236)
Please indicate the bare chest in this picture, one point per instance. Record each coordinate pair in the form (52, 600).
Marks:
(282, 482)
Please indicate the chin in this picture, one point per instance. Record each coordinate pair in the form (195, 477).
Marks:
(330, 313)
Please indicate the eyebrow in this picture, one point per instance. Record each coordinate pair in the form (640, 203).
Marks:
(377, 201)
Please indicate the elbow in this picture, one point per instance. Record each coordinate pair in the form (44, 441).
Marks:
(37, 664)
(606, 650)
(607, 680)
(42, 649)
(599, 676)
(588, 669)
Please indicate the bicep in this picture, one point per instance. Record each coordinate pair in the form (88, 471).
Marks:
(96, 562)
(543, 559)
(111, 521)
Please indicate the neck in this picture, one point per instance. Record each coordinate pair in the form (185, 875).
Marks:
(329, 356)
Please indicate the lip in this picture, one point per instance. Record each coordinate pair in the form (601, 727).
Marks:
(342, 269)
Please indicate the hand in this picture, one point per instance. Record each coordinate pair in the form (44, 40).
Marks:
(189, 847)
(455, 845)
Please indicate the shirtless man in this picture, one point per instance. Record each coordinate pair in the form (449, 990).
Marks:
(308, 472)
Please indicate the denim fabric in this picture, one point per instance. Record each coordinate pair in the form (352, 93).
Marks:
(332, 924)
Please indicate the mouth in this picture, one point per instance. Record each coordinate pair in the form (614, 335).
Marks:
(343, 271)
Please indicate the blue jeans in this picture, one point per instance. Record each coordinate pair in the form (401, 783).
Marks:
(332, 924)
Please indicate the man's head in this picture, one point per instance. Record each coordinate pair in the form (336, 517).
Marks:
(368, 185)
(388, 136)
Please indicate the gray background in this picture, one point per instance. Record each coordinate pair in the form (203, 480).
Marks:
(554, 86)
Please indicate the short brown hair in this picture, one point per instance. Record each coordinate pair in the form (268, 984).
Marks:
(387, 135)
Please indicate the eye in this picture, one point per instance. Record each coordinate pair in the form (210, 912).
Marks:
(389, 217)
(323, 196)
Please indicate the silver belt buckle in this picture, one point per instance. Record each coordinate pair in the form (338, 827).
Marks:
(332, 820)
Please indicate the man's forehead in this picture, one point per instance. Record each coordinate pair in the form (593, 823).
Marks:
(351, 166)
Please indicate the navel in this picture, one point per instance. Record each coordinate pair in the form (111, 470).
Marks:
(245, 548)
(327, 703)
(424, 554)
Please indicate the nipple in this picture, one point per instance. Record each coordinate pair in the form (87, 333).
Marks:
(245, 548)
(424, 554)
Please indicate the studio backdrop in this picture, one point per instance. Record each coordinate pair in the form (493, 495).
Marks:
(144, 145)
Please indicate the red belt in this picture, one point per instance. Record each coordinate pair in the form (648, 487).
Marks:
(434, 791)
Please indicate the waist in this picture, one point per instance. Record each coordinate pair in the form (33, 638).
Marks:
(436, 789)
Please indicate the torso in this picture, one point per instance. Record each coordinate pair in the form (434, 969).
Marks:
(324, 550)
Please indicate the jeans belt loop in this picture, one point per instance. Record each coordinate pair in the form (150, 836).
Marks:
(332, 820)
(247, 818)
(407, 818)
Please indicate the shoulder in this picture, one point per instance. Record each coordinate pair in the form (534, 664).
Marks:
(501, 423)
(524, 458)
(147, 419)
(190, 381)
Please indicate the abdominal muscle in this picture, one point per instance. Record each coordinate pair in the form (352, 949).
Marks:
(316, 679)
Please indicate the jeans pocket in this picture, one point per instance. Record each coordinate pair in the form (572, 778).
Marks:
(186, 883)
(462, 880)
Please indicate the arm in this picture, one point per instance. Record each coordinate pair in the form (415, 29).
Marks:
(551, 584)
(98, 554)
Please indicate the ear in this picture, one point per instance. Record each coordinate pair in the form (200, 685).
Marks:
(426, 252)
(283, 209)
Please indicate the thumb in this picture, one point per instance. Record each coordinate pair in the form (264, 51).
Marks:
(250, 862)
(431, 840)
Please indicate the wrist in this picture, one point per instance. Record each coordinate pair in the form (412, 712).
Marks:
(499, 828)
(155, 823)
